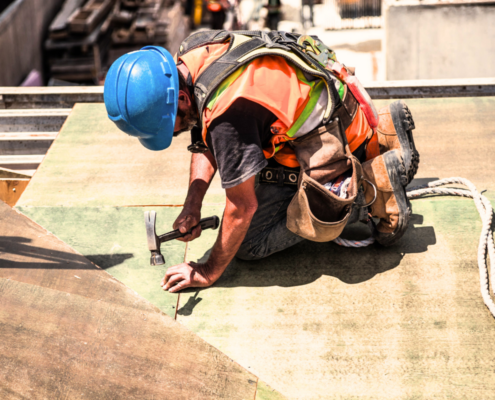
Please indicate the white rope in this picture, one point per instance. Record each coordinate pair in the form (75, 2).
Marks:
(354, 243)
(486, 245)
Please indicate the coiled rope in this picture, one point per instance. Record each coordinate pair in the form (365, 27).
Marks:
(486, 244)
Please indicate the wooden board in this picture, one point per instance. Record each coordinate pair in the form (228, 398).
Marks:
(320, 321)
(69, 330)
(11, 189)
(109, 167)
(58, 345)
(316, 321)
(9, 173)
(31, 254)
(115, 240)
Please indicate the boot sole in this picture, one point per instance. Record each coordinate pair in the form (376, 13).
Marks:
(404, 125)
(398, 178)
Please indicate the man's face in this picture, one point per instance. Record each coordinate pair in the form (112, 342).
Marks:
(186, 114)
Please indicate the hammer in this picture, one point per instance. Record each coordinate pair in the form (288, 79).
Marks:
(155, 241)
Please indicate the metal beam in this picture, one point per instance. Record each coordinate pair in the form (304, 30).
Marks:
(67, 96)
(431, 88)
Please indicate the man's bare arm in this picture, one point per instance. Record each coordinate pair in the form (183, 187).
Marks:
(239, 210)
(203, 168)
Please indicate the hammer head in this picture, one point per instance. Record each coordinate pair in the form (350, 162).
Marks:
(153, 241)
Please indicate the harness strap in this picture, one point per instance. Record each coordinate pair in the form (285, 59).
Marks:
(202, 38)
(246, 46)
(215, 74)
(347, 110)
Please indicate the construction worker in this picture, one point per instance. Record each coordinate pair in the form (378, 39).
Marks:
(258, 106)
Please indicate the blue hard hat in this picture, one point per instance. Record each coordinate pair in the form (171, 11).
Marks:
(141, 94)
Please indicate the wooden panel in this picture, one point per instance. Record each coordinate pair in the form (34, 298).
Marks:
(11, 190)
(58, 345)
(31, 254)
(112, 238)
(9, 173)
(319, 321)
(70, 330)
(101, 172)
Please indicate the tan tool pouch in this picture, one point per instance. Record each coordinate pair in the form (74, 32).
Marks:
(315, 213)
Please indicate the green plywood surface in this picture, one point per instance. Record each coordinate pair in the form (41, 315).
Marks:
(320, 321)
(92, 163)
(317, 321)
(115, 240)
(455, 137)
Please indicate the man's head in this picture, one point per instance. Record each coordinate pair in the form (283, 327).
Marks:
(142, 96)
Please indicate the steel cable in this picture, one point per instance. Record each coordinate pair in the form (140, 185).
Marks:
(486, 245)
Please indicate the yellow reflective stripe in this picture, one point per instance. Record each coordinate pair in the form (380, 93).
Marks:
(315, 93)
(224, 85)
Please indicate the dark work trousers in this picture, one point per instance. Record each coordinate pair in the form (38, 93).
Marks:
(268, 232)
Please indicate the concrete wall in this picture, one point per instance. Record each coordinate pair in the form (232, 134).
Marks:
(440, 41)
(22, 30)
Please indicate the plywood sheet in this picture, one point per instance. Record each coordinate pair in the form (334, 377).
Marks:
(455, 137)
(321, 321)
(114, 238)
(60, 345)
(11, 190)
(70, 330)
(31, 254)
(92, 163)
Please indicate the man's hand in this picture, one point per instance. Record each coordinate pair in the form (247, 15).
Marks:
(189, 217)
(187, 275)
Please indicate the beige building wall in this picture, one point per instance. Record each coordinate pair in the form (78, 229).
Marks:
(22, 30)
(439, 41)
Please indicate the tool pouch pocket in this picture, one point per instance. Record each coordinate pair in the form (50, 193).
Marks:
(316, 213)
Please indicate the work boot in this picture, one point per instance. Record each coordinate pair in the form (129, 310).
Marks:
(394, 131)
(386, 191)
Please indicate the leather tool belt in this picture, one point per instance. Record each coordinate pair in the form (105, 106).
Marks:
(315, 213)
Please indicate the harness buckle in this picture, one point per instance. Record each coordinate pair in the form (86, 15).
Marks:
(197, 147)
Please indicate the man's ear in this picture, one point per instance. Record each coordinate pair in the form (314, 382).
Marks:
(184, 98)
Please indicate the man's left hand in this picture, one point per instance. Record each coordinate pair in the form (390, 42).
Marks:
(187, 275)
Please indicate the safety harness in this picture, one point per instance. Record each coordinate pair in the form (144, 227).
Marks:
(302, 51)
(307, 53)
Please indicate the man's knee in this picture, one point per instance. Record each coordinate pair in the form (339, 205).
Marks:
(246, 252)
(247, 257)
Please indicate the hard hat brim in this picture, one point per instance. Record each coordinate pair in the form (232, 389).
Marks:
(157, 143)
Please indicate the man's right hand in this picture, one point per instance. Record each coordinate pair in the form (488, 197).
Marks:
(188, 218)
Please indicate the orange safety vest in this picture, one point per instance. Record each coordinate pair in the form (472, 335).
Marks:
(274, 84)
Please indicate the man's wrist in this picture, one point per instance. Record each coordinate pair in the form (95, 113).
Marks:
(196, 194)
(215, 267)
(193, 203)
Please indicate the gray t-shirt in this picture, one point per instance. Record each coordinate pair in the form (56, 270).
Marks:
(237, 138)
